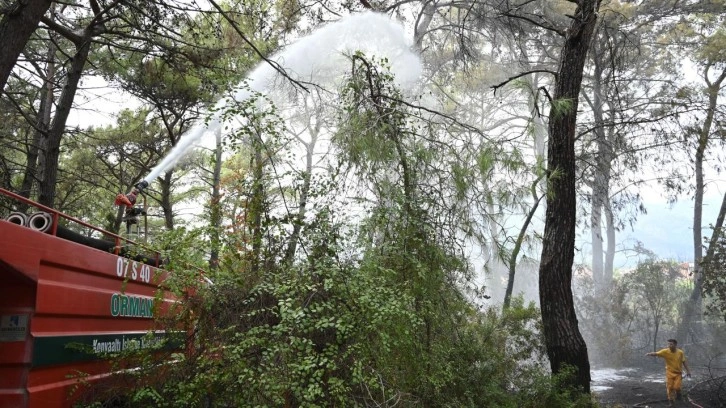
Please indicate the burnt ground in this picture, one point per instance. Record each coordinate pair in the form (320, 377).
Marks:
(638, 388)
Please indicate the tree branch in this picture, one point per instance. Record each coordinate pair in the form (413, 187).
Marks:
(65, 32)
(277, 67)
(437, 113)
(535, 23)
(497, 86)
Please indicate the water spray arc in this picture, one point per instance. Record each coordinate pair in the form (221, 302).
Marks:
(319, 59)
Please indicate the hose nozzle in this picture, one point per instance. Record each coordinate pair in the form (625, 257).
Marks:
(141, 185)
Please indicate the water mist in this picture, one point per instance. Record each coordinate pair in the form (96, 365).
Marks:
(319, 59)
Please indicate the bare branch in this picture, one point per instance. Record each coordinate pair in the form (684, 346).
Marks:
(65, 32)
(366, 4)
(497, 86)
(452, 119)
(536, 23)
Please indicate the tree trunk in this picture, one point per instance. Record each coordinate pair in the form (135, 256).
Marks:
(167, 207)
(51, 144)
(596, 237)
(518, 244)
(564, 343)
(215, 210)
(19, 21)
(422, 24)
(693, 308)
(256, 205)
(717, 231)
(42, 124)
(602, 256)
(304, 192)
(610, 252)
(597, 181)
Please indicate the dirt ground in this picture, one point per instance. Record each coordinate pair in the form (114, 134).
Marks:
(640, 389)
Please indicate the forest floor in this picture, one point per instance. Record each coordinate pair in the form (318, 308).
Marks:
(640, 388)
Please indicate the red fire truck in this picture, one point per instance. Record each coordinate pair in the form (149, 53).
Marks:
(68, 300)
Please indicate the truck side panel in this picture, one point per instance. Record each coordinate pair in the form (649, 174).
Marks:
(76, 304)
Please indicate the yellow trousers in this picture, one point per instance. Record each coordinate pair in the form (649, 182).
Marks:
(673, 384)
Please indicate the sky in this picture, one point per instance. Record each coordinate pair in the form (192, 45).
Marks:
(667, 229)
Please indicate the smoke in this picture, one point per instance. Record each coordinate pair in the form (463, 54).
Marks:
(321, 59)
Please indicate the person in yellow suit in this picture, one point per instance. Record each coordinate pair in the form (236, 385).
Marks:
(675, 362)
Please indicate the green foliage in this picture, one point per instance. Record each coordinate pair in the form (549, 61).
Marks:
(334, 335)
(640, 307)
(609, 321)
(486, 160)
(714, 48)
(372, 121)
(555, 392)
(370, 313)
(561, 107)
(655, 288)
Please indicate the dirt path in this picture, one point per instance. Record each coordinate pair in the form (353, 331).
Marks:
(637, 389)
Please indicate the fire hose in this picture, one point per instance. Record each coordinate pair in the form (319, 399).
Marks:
(17, 218)
(39, 221)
